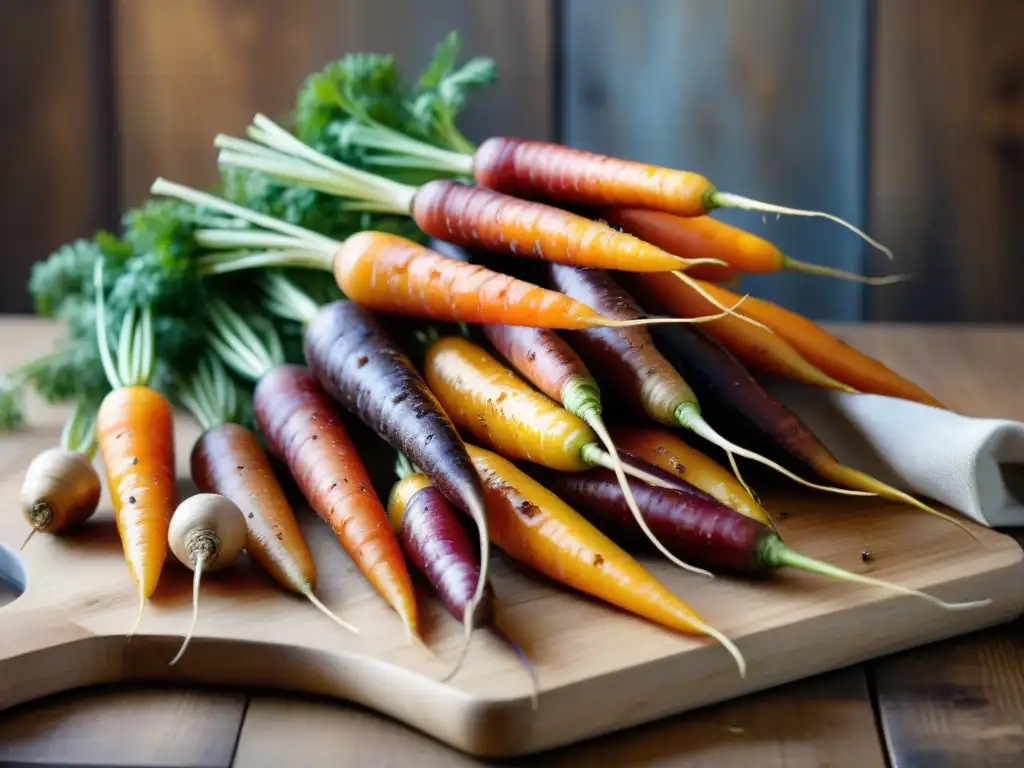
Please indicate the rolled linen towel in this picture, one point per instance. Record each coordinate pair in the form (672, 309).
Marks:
(972, 465)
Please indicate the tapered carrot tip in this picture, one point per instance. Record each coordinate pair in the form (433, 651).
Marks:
(138, 617)
(308, 592)
(716, 303)
(717, 199)
(728, 644)
(807, 268)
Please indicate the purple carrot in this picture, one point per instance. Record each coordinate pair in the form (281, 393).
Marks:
(435, 544)
(359, 365)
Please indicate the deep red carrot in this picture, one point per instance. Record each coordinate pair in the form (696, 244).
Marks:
(449, 209)
(300, 425)
(435, 543)
(701, 530)
(568, 176)
(389, 273)
(359, 366)
(629, 361)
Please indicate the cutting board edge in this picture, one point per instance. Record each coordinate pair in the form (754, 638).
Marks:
(1003, 610)
(507, 727)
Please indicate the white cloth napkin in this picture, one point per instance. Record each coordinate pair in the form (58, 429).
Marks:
(973, 465)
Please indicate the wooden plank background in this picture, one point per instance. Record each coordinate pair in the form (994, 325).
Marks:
(905, 116)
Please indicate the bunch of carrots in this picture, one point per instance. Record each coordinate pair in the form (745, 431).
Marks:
(537, 282)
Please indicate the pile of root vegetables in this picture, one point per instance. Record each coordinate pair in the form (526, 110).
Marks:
(540, 335)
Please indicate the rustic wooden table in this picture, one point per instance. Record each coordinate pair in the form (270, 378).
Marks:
(956, 703)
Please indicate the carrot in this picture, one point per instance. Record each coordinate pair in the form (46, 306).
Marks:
(358, 365)
(721, 381)
(436, 544)
(820, 348)
(550, 364)
(61, 488)
(135, 436)
(704, 531)
(300, 426)
(666, 450)
(228, 460)
(564, 175)
(498, 408)
(448, 209)
(755, 346)
(742, 251)
(629, 361)
(388, 273)
(532, 525)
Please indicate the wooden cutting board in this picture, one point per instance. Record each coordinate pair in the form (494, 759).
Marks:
(600, 669)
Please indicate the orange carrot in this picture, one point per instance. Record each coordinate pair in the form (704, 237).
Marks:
(534, 526)
(300, 425)
(135, 436)
(743, 252)
(391, 274)
(834, 357)
(755, 346)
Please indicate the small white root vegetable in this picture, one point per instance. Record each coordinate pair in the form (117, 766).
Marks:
(61, 489)
(207, 533)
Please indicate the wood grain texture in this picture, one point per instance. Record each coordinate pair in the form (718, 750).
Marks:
(959, 703)
(80, 600)
(826, 720)
(57, 178)
(125, 726)
(947, 184)
(765, 97)
(193, 68)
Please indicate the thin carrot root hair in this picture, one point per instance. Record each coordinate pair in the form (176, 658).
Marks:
(28, 538)
(525, 661)
(328, 612)
(613, 323)
(728, 644)
(750, 491)
(138, 617)
(808, 268)
(729, 200)
(689, 417)
(196, 577)
(715, 302)
(852, 476)
(467, 623)
(610, 460)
